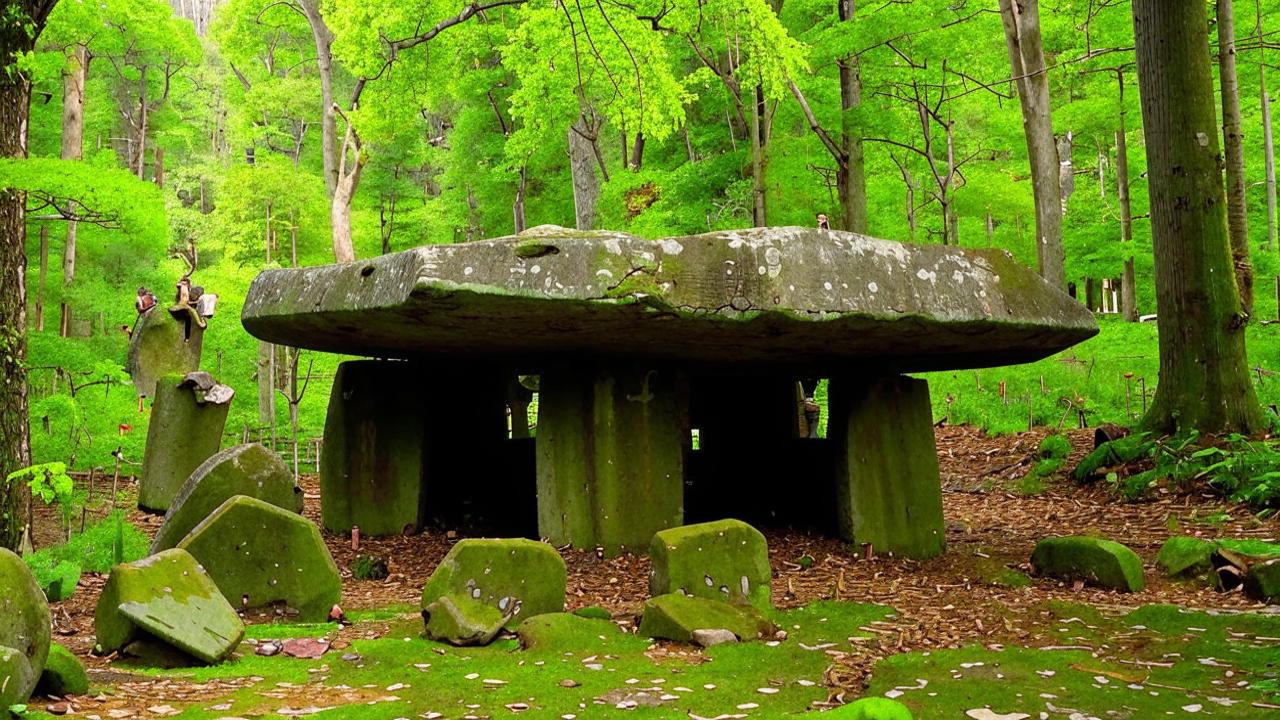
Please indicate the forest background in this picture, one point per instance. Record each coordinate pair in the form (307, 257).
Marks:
(245, 134)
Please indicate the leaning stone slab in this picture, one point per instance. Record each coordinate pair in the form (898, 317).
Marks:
(260, 555)
(63, 674)
(518, 577)
(24, 612)
(16, 679)
(161, 344)
(1096, 561)
(722, 560)
(167, 597)
(250, 470)
(188, 415)
(676, 617)
(459, 620)
(790, 297)
(1262, 581)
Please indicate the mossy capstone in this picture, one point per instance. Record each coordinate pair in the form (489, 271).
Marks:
(519, 578)
(1096, 561)
(24, 612)
(675, 617)
(250, 470)
(63, 674)
(260, 555)
(167, 597)
(783, 296)
(722, 560)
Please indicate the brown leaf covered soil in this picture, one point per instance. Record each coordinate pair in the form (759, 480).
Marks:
(945, 602)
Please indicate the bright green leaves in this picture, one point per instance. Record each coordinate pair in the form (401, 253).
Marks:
(105, 196)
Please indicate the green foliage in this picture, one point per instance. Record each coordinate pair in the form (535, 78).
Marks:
(101, 546)
(50, 483)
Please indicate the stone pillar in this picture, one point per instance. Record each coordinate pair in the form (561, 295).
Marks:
(887, 488)
(610, 456)
(372, 458)
(183, 432)
(161, 344)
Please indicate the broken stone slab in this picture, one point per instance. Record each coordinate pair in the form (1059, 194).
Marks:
(168, 598)
(712, 637)
(17, 680)
(888, 491)
(562, 632)
(160, 345)
(763, 297)
(260, 555)
(24, 613)
(185, 430)
(610, 447)
(250, 470)
(519, 578)
(1096, 561)
(63, 674)
(722, 560)
(870, 708)
(675, 617)
(458, 619)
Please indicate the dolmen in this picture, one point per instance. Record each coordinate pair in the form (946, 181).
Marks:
(630, 337)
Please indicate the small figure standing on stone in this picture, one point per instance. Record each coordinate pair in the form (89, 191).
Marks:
(822, 222)
(144, 301)
(185, 301)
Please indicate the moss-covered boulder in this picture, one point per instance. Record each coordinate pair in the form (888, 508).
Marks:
(457, 619)
(674, 617)
(872, 708)
(160, 344)
(1262, 581)
(260, 555)
(63, 674)
(722, 560)
(24, 612)
(170, 598)
(520, 578)
(251, 470)
(1094, 560)
(184, 431)
(1184, 556)
(16, 679)
(563, 631)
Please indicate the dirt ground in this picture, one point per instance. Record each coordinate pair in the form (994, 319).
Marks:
(940, 603)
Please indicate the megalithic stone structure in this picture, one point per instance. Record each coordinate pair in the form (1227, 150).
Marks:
(162, 344)
(598, 313)
(188, 415)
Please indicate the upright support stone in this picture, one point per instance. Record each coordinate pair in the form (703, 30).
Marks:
(888, 491)
(610, 448)
(161, 344)
(185, 430)
(372, 459)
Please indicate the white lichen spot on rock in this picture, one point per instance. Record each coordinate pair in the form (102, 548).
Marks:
(927, 275)
(671, 247)
(604, 272)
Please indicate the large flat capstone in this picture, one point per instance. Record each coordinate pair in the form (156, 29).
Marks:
(784, 297)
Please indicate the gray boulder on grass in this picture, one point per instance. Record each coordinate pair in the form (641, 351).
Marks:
(168, 597)
(16, 679)
(722, 560)
(676, 617)
(260, 555)
(1095, 561)
(458, 619)
(251, 470)
(24, 612)
(520, 578)
(63, 674)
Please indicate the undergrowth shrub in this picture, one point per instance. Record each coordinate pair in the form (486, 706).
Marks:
(101, 546)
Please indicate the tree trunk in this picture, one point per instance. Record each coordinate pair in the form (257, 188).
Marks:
(323, 37)
(18, 34)
(517, 206)
(44, 267)
(73, 79)
(266, 391)
(637, 152)
(1128, 290)
(1233, 152)
(1026, 57)
(582, 169)
(158, 167)
(759, 209)
(1204, 372)
(1268, 145)
(851, 175)
(1066, 169)
(340, 213)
